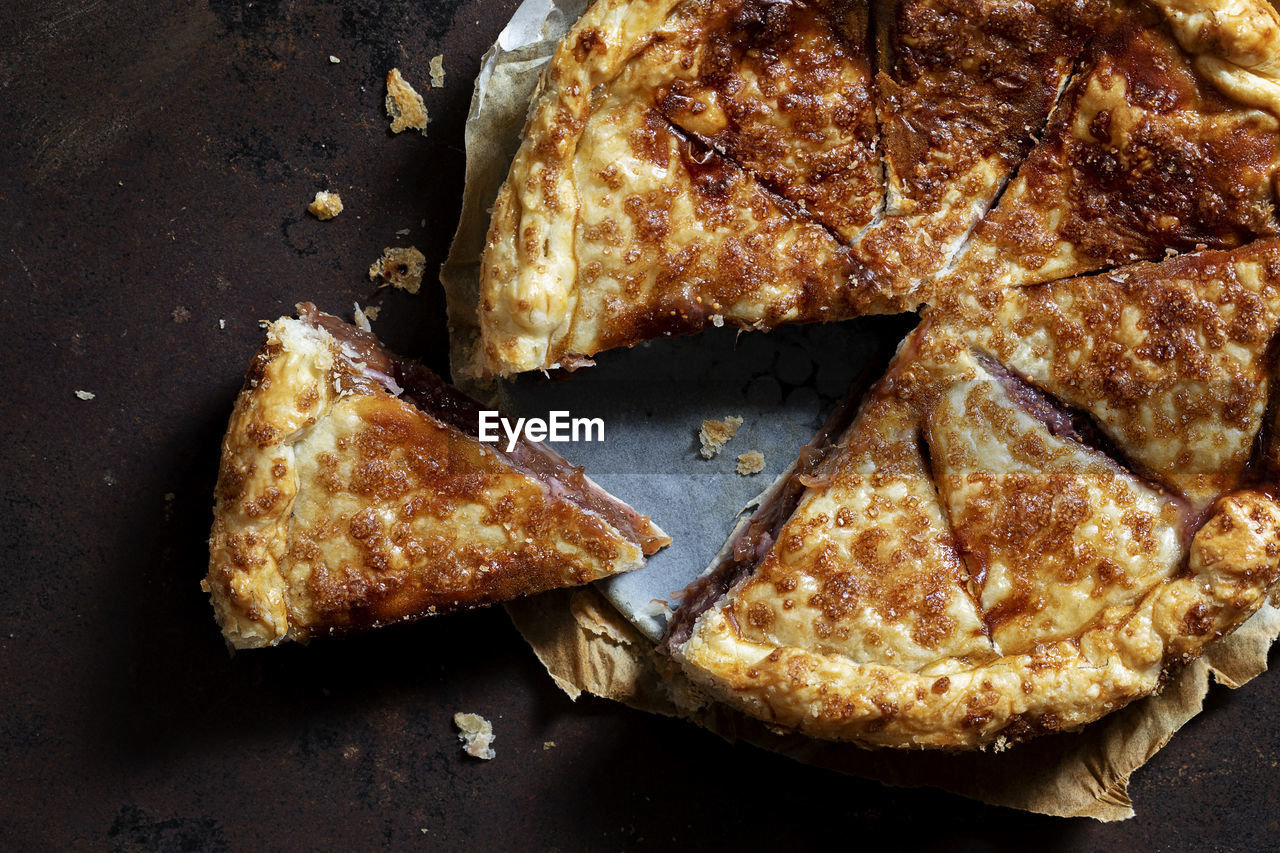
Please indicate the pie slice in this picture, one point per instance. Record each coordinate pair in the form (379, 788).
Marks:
(1168, 364)
(1063, 565)
(353, 492)
(686, 165)
(783, 89)
(1166, 141)
(964, 89)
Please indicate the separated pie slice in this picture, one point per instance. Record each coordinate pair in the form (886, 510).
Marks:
(1171, 362)
(1061, 582)
(964, 89)
(685, 166)
(1167, 141)
(353, 493)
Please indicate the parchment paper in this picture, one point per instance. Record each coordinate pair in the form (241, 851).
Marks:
(653, 398)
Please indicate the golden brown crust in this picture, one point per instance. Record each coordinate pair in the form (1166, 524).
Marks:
(654, 195)
(1145, 156)
(983, 561)
(343, 507)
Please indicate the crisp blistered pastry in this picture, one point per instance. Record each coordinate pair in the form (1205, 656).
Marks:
(353, 492)
(1146, 155)
(1051, 497)
(751, 162)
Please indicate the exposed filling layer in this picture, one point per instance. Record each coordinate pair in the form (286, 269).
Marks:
(756, 538)
(419, 386)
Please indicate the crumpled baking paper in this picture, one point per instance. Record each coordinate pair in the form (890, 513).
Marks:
(781, 384)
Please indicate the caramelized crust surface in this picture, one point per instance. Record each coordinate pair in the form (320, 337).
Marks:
(964, 89)
(1146, 156)
(997, 551)
(342, 507)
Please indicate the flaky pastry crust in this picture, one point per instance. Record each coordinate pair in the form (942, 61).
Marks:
(1053, 496)
(342, 505)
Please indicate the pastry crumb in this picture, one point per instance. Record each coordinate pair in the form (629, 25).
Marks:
(717, 320)
(222, 324)
(548, 744)
(361, 319)
(436, 69)
(476, 734)
(180, 314)
(403, 232)
(372, 312)
(404, 104)
(714, 435)
(326, 205)
(751, 462)
(335, 60)
(86, 395)
(400, 267)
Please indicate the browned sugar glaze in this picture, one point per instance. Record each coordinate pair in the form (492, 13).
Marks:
(1166, 162)
(782, 90)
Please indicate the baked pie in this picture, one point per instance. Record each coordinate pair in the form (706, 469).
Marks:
(756, 162)
(353, 492)
(1053, 495)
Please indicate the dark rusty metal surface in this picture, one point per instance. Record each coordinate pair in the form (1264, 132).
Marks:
(157, 157)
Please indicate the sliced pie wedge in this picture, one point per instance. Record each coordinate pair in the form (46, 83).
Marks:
(1167, 141)
(354, 493)
(1063, 563)
(964, 90)
(685, 165)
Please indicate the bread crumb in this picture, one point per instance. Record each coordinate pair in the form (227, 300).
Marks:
(222, 324)
(716, 434)
(403, 232)
(476, 734)
(372, 312)
(180, 314)
(437, 71)
(548, 744)
(335, 60)
(86, 395)
(404, 105)
(361, 319)
(326, 205)
(400, 267)
(751, 462)
(717, 320)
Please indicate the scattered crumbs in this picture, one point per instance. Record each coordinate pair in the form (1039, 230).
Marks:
(109, 478)
(222, 324)
(403, 232)
(372, 312)
(335, 60)
(437, 71)
(399, 267)
(476, 734)
(751, 462)
(180, 314)
(264, 324)
(404, 105)
(548, 744)
(326, 205)
(717, 320)
(86, 395)
(351, 752)
(361, 319)
(716, 434)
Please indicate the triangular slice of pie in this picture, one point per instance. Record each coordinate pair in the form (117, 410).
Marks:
(1166, 141)
(1068, 483)
(964, 89)
(353, 492)
(685, 165)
